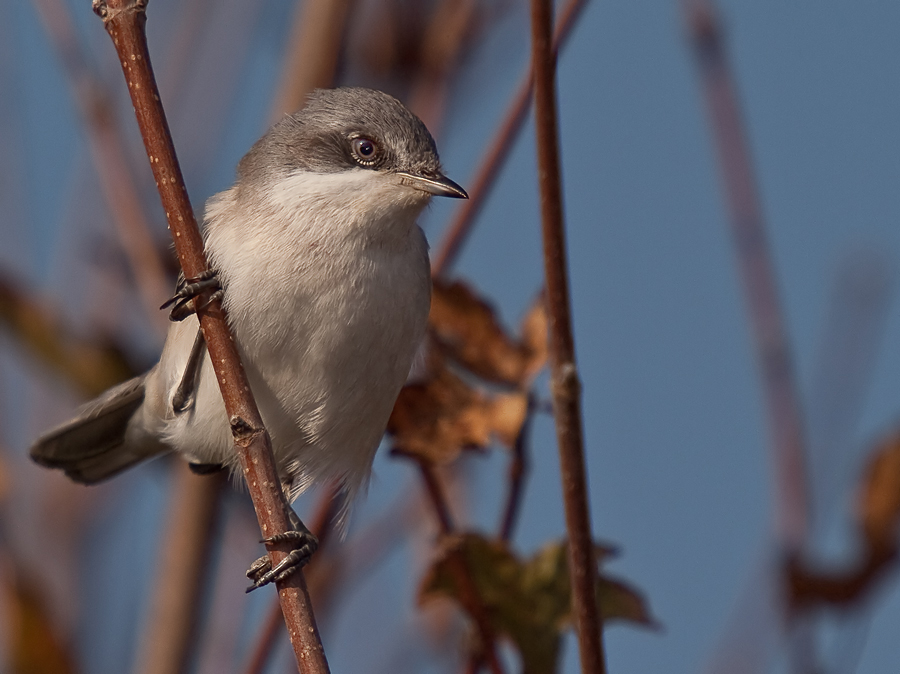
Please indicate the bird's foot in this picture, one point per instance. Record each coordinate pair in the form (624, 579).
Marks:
(305, 543)
(187, 291)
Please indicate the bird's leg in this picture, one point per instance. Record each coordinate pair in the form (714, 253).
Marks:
(261, 572)
(183, 399)
(185, 396)
(186, 292)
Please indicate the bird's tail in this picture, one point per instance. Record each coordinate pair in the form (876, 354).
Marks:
(92, 447)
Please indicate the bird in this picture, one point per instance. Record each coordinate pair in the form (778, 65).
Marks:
(324, 275)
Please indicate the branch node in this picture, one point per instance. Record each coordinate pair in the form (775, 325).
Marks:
(107, 13)
(242, 430)
(565, 381)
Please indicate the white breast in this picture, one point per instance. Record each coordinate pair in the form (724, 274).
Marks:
(327, 289)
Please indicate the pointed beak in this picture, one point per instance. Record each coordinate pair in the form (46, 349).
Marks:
(440, 186)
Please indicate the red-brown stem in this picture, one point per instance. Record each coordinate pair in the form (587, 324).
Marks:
(473, 664)
(436, 495)
(124, 21)
(491, 165)
(175, 608)
(268, 638)
(518, 467)
(566, 388)
(315, 48)
(758, 277)
(444, 40)
(322, 526)
(104, 136)
(468, 593)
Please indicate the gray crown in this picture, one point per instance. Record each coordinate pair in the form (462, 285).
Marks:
(318, 137)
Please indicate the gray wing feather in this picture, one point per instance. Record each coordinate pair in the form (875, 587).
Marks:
(92, 447)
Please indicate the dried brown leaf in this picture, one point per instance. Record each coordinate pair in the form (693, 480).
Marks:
(467, 327)
(441, 417)
(879, 498)
(529, 601)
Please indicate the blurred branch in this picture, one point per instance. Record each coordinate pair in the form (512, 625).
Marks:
(443, 42)
(90, 366)
(107, 147)
(31, 642)
(468, 592)
(125, 20)
(844, 588)
(314, 50)
(322, 526)
(518, 467)
(492, 164)
(565, 384)
(785, 420)
(758, 276)
(174, 612)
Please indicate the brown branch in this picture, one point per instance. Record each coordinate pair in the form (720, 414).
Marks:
(491, 165)
(565, 386)
(91, 366)
(758, 277)
(175, 607)
(322, 526)
(443, 41)
(809, 589)
(125, 20)
(518, 468)
(469, 597)
(314, 49)
(474, 663)
(265, 644)
(110, 159)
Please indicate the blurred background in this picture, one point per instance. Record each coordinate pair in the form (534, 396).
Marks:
(752, 498)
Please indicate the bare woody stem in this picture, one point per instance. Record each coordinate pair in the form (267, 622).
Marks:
(518, 468)
(175, 609)
(125, 21)
(566, 388)
(459, 569)
(499, 149)
(788, 444)
(105, 140)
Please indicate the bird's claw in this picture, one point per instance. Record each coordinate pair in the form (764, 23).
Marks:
(186, 292)
(261, 572)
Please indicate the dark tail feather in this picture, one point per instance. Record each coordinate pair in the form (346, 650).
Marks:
(91, 447)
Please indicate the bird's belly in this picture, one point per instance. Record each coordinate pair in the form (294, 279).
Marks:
(327, 367)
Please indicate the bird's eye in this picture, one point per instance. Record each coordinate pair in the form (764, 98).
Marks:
(364, 151)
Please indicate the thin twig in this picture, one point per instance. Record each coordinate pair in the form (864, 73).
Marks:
(758, 276)
(565, 386)
(125, 20)
(518, 468)
(474, 663)
(91, 366)
(117, 184)
(491, 165)
(444, 40)
(175, 608)
(788, 442)
(315, 47)
(268, 638)
(468, 593)
(436, 495)
(322, 525)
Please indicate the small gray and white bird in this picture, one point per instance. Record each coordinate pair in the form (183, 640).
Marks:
(326, 283)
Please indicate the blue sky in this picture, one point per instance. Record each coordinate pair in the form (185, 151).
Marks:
(674, 420)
